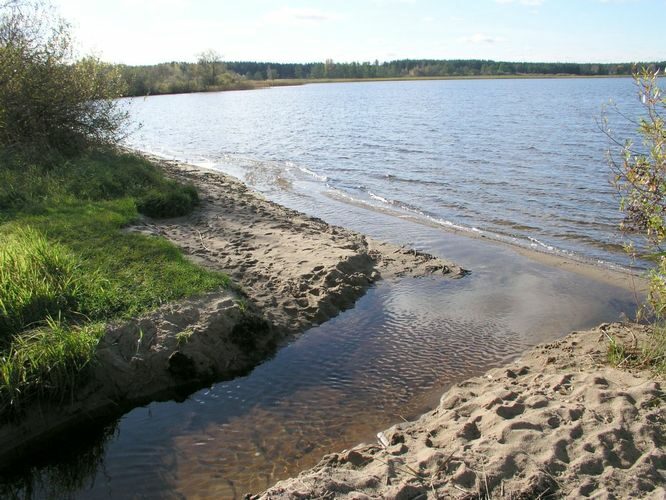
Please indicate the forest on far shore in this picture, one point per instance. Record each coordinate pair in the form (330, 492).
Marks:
(210, 73)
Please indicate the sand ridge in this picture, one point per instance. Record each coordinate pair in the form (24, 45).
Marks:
(298, 270)
(559, 423)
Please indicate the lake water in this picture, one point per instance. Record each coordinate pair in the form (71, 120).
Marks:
(513, 160)
(520, 160)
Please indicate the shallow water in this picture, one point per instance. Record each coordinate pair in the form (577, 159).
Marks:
(388, 358)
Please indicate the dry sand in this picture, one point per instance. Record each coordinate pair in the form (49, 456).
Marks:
(298, 270)
(558, 423)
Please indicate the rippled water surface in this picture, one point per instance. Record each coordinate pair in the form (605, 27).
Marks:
(397, 161)
(523, 160)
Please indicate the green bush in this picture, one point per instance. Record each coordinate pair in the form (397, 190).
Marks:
(640, 178)
(49, 100)
(37, 279)
(173, 201)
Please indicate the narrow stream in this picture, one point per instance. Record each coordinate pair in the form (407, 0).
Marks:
(387, 359)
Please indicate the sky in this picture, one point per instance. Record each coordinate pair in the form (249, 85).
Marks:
(154, 31)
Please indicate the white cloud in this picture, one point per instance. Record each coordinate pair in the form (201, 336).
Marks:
(529, 3)
(395, 2)
(288, 15)
(481, 38)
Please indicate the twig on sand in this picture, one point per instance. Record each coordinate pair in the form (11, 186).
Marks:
(440, 469)
(633, 336)
(202, 243)
(485, 481)
(404, 468)
(460, 488)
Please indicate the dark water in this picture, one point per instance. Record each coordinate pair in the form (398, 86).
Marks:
(522, 160)
(404, 343)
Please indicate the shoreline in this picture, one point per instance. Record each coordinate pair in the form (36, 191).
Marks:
(294, 82)
(558, 422)
(291, 272)
(282, 259)
(629, 279)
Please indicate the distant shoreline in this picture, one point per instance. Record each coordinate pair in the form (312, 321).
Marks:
(526, 76)
(295, 82)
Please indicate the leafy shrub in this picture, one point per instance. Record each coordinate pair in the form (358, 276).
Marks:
(49, 101)
(640, 178)
(173, 201)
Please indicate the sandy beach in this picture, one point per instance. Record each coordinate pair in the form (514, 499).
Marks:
(558, 423)
(298, 270)
(290, 272)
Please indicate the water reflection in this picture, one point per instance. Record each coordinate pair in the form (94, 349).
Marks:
(388, 358)
(70, 464)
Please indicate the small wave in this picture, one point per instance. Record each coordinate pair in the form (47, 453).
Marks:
(198, 161)
(379, 198)
(407, 180)
(449, 224)
(309, 172)
(204, 163)
(153, 152)
(540, 244)
(522, 241)
(386, 201)
(397, 208)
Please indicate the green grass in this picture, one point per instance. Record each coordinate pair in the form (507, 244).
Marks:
(650, 355)
(64, 254)
(655, 351)
(45, 362)
(37, 279)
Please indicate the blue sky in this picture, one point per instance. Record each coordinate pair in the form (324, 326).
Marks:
(152, 31)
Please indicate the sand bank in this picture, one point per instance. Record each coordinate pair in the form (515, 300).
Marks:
(290, 272)
(298, 270)
(558, 423)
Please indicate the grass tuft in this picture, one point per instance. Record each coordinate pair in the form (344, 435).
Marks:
(37, 279)
(650, 355)
(172, 201)
(45, 362)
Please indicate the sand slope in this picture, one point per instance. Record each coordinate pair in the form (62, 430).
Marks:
(559, 423)
(298, 270)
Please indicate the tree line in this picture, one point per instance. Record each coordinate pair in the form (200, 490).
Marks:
(424, 68)
(210, 73)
